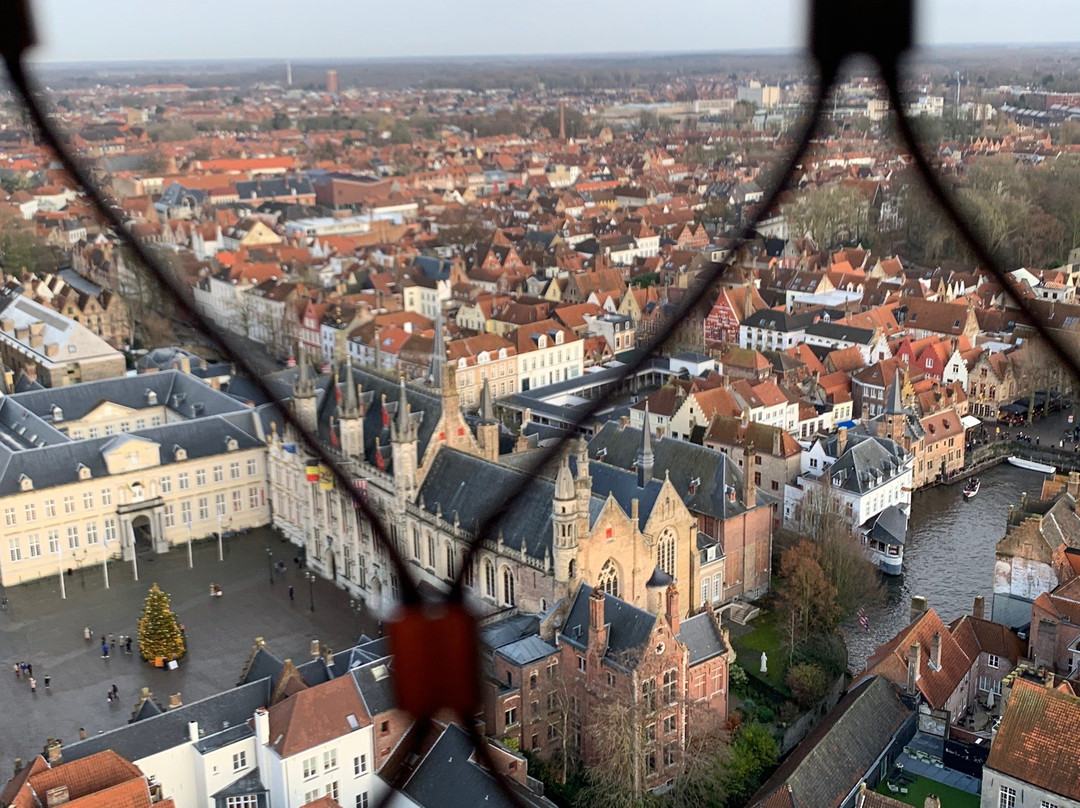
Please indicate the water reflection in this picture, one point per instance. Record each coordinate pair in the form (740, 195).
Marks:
(949, 558)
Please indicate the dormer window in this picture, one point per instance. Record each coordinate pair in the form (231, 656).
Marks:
(151, 397)
(83, 472)
(25, 483)
(57, 413)
(230, 444)
(179, 453)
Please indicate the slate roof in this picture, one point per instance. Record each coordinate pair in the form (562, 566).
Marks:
(628, 626)
(1036, 740)
(839, 752)
(449, 776)
(702, 638)
(467, 487)
(890, 526)
(866, 462)
(839, 331)
(527, 650)
(250, 783)
(376, 686)
(681, 461)
(158, 733)
(263, 665)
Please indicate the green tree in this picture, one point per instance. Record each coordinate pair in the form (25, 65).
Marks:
(807, 682)
(753, 755)
(159, 631)
(22, 250)
(807, 597)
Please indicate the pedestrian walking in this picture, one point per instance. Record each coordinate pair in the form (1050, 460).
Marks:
(112, 640)
(86, 633)
(29, 669)
(4, 603)
(103, 639)
(48, 680)
(104, 650)
(127, 646)
(33, 685)
(108, 696)
(22, 665)
(18, 669)
(291, 593)
(82, 733)
(115, 691)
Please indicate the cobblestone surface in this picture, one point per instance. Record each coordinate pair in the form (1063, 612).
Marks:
(40, 628)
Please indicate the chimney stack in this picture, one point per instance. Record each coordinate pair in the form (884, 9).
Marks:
(1074, 484)
(841, 440)
(193, 731)
(54, 752)
(918, 606)
(671, 606)
(979, 609)
(749, 488)
(262, 726)
(597, 626)
(935, 650)
(914, 661)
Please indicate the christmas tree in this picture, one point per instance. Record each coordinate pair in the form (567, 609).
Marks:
(159, 633)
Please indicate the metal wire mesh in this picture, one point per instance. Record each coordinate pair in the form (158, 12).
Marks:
(834, 30)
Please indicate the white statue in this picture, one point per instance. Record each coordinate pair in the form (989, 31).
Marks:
(764, 663)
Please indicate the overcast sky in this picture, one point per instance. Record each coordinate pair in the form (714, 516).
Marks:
(107, 30)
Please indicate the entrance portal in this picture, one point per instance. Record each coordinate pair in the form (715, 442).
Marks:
(144, 534)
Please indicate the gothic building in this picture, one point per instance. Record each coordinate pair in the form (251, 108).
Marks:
(434, 478)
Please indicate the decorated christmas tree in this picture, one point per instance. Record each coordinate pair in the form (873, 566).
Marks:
(159, 633)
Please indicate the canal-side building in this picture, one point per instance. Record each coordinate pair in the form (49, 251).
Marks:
(90, 471)
(864, 474)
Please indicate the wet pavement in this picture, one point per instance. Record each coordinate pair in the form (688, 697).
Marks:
(40, 628)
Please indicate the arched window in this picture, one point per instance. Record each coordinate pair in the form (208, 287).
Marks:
(431, 551)
(416, 542)
(470, 574)
(489, 579)
(571, 569)
(449, 560)
(609, 579)
(509, 598)
(665, 552)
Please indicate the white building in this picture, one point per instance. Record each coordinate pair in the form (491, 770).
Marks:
(547, 352)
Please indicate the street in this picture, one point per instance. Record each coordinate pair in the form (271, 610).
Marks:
(40, 628)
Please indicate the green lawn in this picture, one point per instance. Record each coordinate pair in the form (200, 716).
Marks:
(764, 636)
(917, 791)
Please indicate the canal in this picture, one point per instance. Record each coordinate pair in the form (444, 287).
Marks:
(949, 557)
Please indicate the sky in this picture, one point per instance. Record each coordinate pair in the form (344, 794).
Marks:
(112, 30)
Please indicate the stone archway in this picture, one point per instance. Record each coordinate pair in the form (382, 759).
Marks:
(143, 528)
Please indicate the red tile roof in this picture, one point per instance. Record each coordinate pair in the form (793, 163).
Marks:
(1036, 741)
(315, 716)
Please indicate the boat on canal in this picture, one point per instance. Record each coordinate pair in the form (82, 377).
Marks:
(885, 540)
(1032, 465)
(972, 487)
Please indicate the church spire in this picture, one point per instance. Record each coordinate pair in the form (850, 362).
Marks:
(403, 413)
(895, 402)
(438, 352)
(487, 410)
(305, 385)
(351, 403)
(645, 453)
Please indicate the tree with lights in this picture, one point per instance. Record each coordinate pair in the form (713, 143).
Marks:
(159, 632)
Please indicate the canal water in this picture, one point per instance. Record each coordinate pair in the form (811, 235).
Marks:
(949, 557)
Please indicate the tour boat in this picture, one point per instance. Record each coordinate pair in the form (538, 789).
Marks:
(1032, 465)
(885, 540)
(972, 488)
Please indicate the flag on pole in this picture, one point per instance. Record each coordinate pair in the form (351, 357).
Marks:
(326, 478)
(289, 447)
(312, 472)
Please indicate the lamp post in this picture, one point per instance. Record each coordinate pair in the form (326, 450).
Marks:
(354, 607)
(220, 531)
(270, 560)
(311, 588)
(79, 558)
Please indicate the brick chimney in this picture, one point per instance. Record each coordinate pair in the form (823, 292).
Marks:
(979, 609)
(597, 626)
(918, 606)
(914, 661)
(54, 752)
(749, 491)
(935, 650)
(1074, 484)
(671, 608)
(841, 440)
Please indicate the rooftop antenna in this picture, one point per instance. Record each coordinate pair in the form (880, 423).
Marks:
(288, 74)
(562, 121)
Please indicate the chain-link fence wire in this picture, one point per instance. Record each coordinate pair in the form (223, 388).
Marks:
(436, 646)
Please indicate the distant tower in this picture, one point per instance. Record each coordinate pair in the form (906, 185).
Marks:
(288, 74)
(351, 417)
(304, 400)
(564, 524)
(487, 433)
(331, 82)
(404, 442)
(562, 121)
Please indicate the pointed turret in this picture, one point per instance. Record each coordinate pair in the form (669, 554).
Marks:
(402, 420)
(645, 453)
(564, 524)
(438, 352)
(564, 482)
(304, 395)
(487, 408)
(487, 432)
(404, 445)
(894, 404)
(350, 406)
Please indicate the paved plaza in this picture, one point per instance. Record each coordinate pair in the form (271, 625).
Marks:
(46, 631)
